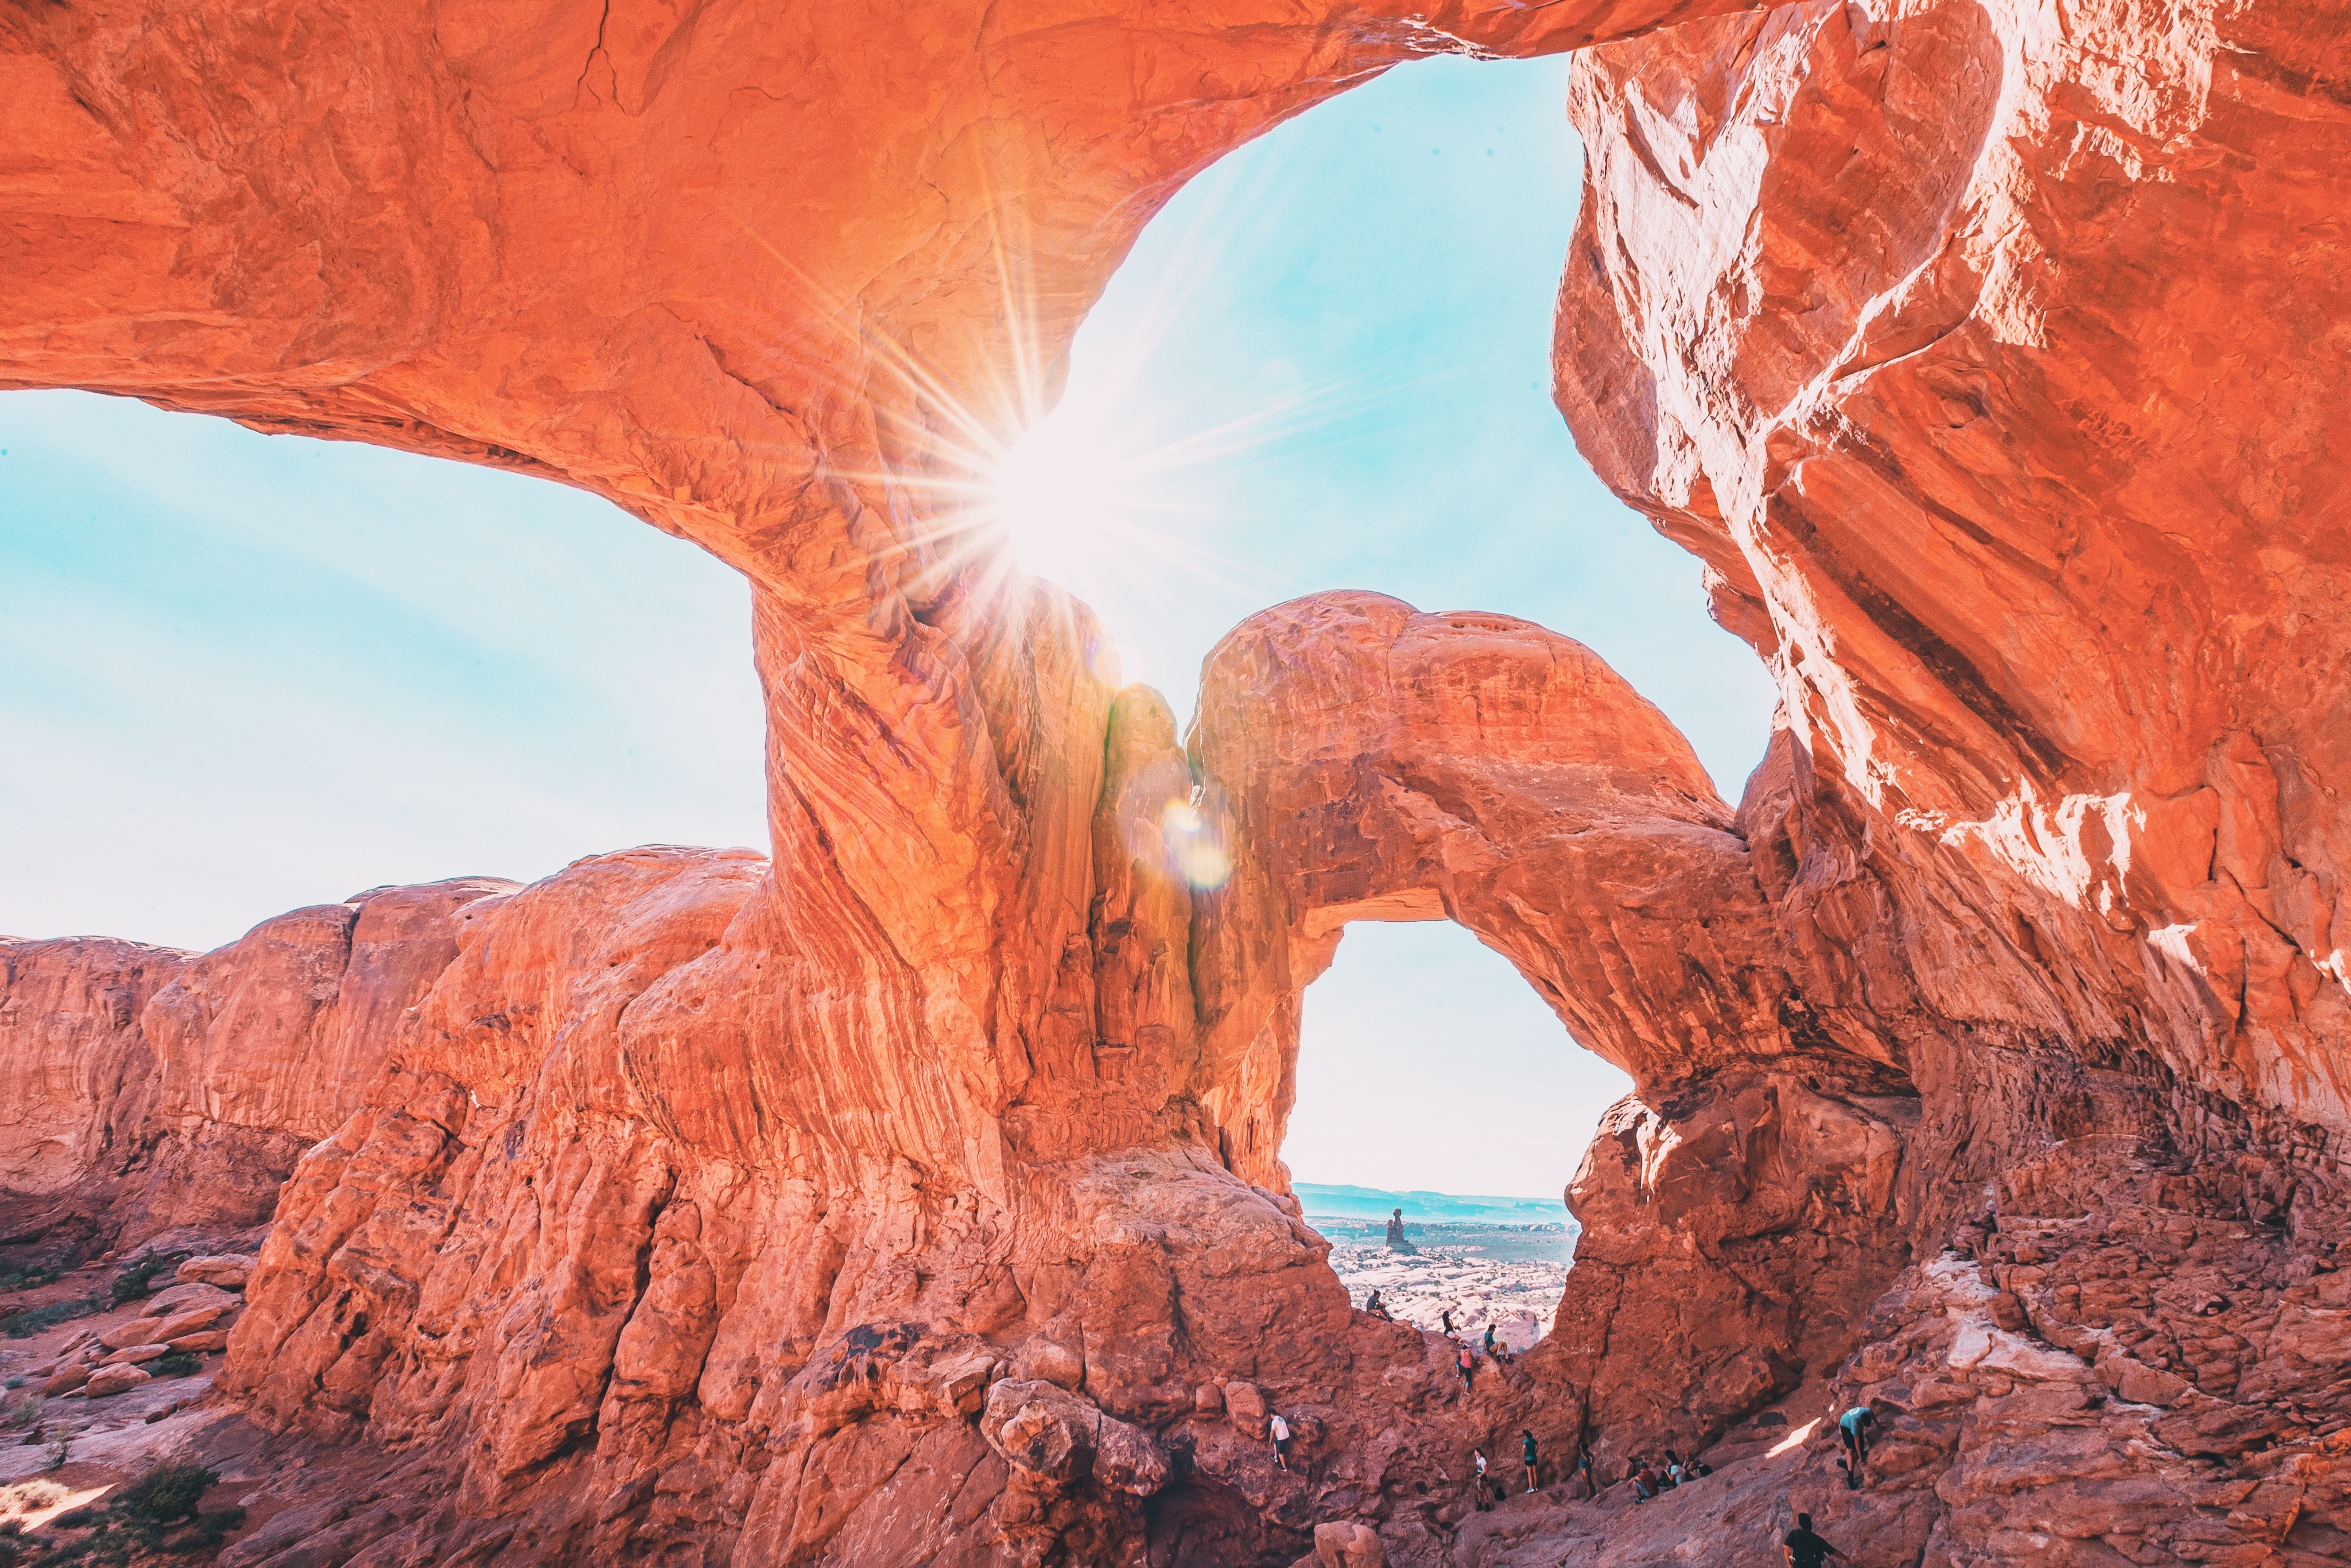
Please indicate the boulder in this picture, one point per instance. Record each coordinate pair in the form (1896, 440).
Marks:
(131, 1355)
(111, 1380)
(121, 1335)
(1049, 1361)
(1058, 1438)
(192, 1320)
(177, 1299)
(1342, 1543)
(204, 1343)
(227, 1270)
(1246, 1406)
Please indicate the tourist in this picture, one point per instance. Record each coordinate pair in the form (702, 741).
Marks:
(1852, 1432)
(1378, 1308)
(1465, 1363)
(1801, 1549)
(1478, 1457)
(1444, 1316)
(1674, 1473)
(1583, 1487)
(1527, 1442)
(1278, 1429)
(1645, 1480)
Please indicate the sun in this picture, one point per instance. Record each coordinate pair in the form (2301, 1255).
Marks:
(1060, 496)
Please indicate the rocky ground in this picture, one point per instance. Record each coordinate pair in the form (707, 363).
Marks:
(1507, 1275)
(101, 1391)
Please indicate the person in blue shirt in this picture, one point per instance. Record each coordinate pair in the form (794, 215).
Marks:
(1853, 1431)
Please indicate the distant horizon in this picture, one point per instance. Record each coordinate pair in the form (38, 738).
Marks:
(1337, 1186)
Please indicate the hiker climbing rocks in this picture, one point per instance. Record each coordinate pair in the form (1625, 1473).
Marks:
(1478, 1459)
(1527, 1442)
(1852, 1432)
(1279, 1430)
(1466, 1365)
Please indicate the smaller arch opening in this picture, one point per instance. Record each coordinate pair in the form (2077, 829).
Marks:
(1432, 1077)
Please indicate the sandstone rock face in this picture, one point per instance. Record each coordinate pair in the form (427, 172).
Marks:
(2037, 605)
(153, 1089)
(698, 1208)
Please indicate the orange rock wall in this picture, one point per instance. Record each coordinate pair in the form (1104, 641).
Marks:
(1987, 360)
(151, 1089)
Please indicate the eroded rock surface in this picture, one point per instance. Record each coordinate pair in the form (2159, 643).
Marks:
(696, 1207)
(144, 1090)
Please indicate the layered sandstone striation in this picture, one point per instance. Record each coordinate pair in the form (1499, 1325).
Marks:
(913, 1193)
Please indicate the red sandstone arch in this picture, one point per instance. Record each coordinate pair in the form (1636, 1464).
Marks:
(1988, 356)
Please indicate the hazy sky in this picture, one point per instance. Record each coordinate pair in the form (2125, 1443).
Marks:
(241, 673)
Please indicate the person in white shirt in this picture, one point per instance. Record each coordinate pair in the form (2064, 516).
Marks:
(1280, 1429)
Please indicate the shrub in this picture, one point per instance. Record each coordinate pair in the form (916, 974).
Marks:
(166, 1495)
(158, 1513)
(25, 1324)
(179, 1363)
(137, 1277)
(13, 1277)
(21, 1412)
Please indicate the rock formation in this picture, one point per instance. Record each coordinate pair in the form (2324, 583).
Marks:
(914, 1195)
(153, 1090)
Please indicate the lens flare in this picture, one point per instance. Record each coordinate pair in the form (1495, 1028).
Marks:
(1195, 850)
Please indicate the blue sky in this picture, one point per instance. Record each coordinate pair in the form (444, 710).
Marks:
(240, 674)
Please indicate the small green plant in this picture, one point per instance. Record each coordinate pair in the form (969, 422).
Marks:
(178, 1364)
(15, 1277)
(168, 1495)
(60, 1447)
(137, 1278)
(21, 1412)
(25, 1324)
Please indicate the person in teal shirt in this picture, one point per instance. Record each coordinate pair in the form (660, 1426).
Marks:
(1853, 1431)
